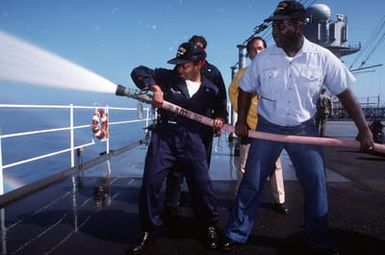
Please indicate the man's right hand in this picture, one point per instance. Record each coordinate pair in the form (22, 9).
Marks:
(244, 100)
(157, 99)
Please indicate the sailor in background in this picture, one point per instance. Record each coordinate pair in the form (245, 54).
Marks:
(324, 109)
(254, 47)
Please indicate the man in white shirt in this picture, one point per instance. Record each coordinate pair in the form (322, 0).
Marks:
(288, 78)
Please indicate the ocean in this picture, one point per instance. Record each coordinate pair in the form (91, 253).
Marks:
(14, 120)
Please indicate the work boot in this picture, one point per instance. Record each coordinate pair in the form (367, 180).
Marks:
(146, 241)
(281, 208)
(226, 244)
(331, 251)
(211, 238)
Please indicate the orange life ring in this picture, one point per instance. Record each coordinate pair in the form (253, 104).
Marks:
(100, 124)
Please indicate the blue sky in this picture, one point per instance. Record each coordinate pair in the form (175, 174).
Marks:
(112, 37)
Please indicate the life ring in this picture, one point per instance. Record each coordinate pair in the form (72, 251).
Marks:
(100, 124)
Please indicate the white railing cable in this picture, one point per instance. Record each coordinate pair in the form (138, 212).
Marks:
(127, 121)
(34, 132)
(1, 170)
(46, 155)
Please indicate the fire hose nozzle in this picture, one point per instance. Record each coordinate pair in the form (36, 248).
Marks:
(123, 91)
(132, 93)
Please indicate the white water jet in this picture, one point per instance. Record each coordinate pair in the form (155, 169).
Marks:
(24, 62)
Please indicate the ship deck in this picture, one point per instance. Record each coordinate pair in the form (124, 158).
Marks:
(70, 217)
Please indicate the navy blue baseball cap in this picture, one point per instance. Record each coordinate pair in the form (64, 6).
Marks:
(188, 52)
(289, 9)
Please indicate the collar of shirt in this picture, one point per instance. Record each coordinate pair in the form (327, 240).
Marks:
(192, 87)
(307, 47)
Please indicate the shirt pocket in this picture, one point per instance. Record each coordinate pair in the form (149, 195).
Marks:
(272, 84)
(312, 79)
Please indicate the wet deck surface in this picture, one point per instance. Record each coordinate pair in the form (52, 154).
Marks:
(67, 218)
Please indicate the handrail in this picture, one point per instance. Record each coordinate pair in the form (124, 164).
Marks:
(72, 148)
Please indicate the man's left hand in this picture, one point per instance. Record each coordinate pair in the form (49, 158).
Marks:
(217, 126)
(365, 138)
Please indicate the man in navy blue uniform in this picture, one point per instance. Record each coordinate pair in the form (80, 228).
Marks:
(175, 177)
(176, 139)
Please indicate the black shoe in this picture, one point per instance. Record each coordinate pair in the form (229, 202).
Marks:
(212, 238)
(145, 243)
(331, 251)
(281, 208)
(226, 244)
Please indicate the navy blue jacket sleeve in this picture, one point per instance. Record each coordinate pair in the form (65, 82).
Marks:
(143, 77)
(212, 73)
(218, 80)
(220, 108)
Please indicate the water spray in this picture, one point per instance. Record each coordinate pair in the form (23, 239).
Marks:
(24, 62)
(325, 141)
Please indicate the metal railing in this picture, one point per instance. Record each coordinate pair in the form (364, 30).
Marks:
(370, 105)
(143, 115)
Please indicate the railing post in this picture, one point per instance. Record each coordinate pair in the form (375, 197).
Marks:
(378, 101)
(108, 137)
(1, 169)
(148, 109)
(3, 232)
(72, 139)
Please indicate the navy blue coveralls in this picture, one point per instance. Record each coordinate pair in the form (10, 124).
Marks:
(175, 177)
(177, 140)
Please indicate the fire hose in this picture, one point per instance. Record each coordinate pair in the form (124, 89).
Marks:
(325, 141)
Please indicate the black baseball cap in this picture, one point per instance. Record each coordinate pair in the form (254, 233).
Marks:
(288, 10)
(188, 52)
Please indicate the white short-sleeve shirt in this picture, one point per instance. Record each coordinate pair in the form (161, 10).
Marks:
(290, 87)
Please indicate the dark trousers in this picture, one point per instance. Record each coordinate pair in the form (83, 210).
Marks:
(175, 178)
(170, 145)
